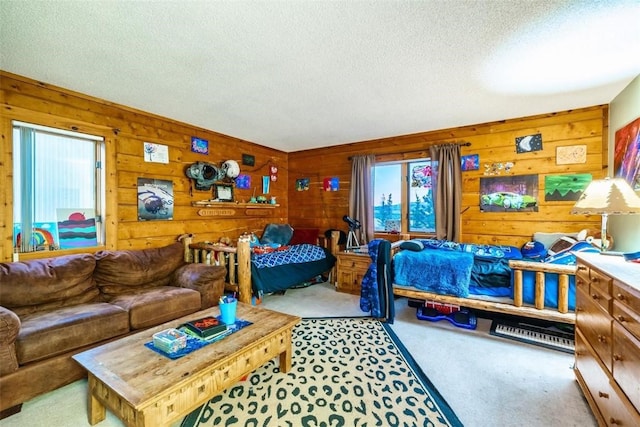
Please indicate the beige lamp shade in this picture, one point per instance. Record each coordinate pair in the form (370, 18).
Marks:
(613, 196)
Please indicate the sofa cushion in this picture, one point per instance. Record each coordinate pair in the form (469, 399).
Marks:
(153, 306)
(118, 271)
(47, 334)
(60, 281)
(208, 280)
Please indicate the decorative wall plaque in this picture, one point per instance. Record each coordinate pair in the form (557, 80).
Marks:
(571, 155)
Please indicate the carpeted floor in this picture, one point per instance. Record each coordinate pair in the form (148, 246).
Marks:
(345, 372)
(487, 380)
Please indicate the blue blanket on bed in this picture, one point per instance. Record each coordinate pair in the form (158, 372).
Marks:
(441, 271)
(295, 254)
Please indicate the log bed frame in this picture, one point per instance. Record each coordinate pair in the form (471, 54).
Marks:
(516, 306)
(239, 280)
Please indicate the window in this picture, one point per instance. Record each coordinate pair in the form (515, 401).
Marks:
(403, 197)
(58, 189)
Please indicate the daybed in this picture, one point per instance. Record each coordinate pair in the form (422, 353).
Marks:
(273, 263)
(485, 277)
(53, 308)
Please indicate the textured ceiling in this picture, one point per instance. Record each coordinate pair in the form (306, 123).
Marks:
(293, 75)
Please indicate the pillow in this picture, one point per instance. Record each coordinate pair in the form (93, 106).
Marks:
(277, 233)
(533, 250)
(547, 239)
(567, 256)
(412, 245)
(560, 245)
(304, 235)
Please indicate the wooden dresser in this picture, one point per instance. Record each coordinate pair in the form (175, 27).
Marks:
(351, 269)
(607, 344)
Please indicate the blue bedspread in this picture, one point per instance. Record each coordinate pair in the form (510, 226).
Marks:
(441, 271)
(295, 254)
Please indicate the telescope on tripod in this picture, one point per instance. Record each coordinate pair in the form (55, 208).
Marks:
(352, 239)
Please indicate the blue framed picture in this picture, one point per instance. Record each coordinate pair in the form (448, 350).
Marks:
(243, 181)
(470, 162)
(199, 145)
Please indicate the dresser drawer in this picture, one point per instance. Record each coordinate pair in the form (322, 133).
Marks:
(595, 324)
(591, 373)
(629, 319)
(626, 308)
(603, 299)
(582, 277)
(600, 281)
(626, 363)
(613, 409)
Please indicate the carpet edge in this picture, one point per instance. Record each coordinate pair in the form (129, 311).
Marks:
(441, 401)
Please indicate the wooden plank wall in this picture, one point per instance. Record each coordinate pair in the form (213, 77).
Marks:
(493, 142)
(125, 130)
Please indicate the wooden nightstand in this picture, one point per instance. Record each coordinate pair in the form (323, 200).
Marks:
(351, 268)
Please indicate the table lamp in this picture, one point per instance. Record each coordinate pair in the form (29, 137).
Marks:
(609, 196)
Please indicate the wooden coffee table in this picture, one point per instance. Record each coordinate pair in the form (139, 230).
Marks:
(144, 388)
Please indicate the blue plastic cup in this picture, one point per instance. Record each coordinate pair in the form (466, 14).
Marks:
(228, 311)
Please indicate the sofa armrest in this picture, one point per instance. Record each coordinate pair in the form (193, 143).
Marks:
(204, 278)
(9, 329)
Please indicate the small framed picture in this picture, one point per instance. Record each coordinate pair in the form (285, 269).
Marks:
(248, 160)
(224, 193)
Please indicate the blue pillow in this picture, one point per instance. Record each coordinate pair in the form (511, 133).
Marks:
(412, 245)
(533, 250)
(277, 233)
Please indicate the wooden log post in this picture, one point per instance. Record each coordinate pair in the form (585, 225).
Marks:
(334, 247)
(186, 240)
(563, 293)
(244, 270)
(517, 287)
(540, 285)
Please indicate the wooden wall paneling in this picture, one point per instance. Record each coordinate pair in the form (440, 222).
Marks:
(125, 130)
(493, 142)
(6, 189)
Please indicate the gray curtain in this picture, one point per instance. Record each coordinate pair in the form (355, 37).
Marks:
(361, 196)
(448, 190)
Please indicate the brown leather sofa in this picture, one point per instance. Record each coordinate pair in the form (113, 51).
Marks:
(53, 308)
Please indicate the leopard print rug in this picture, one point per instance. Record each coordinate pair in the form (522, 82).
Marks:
(345, 372)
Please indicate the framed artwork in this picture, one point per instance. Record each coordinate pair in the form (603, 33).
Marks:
(77, 228)
(156, 153)
(516, 193)
(529, 143)
(331, 184)
(224, 192)
(243, 181)
(571, 155)
(199, 145)
(471, 162)
(560, 188)
(302, 184)
(43, 235)
(155, 199)
(626, 155)
(248, 160)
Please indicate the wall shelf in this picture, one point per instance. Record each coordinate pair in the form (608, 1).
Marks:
(233, 209)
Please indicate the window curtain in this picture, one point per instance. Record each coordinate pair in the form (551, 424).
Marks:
(361, 196)
(448, 190)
